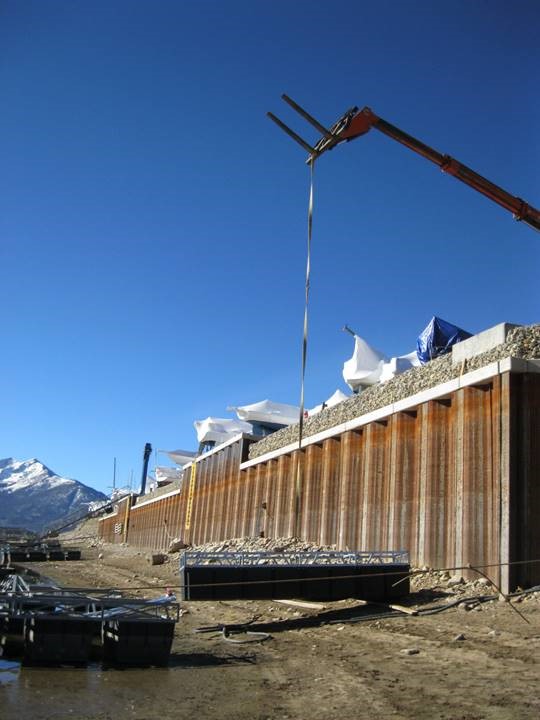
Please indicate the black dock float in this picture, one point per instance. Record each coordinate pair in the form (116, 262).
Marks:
(3, 633)
(47, 624)
(57, 639)
(27, 553)
(135, 641)
(73, 554)
(57, 555)
(311, 576)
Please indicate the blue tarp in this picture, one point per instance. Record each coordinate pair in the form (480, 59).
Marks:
(438, 338)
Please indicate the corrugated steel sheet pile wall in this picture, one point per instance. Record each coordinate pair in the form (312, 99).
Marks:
(200, 511)
(453, 480)
(420, 480)
(524, 478)
(113, 527)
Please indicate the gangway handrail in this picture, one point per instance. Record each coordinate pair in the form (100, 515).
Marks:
(190, 558)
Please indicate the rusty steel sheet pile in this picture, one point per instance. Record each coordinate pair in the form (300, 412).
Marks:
(451, 479)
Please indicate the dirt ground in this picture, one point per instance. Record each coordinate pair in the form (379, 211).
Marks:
(481, 664)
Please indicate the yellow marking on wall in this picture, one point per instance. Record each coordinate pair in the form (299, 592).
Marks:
(126, 516)
(191, 495)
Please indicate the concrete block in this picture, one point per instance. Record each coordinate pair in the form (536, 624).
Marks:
(475, 377)
(373, 416)
(441, 390)
(533, 366)
(482, 342)
(513, 364)
(519, 365)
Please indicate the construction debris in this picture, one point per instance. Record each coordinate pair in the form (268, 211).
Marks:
(256, 544)
(176, 545)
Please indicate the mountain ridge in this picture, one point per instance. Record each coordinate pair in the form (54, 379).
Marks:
(34, 497)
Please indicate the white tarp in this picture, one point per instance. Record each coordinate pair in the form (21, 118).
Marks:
(163, 473)
(398, 365)
(181, 457)
(365, 366)
(118, 493)
(334, 399)
(267, 411)
(220, 430)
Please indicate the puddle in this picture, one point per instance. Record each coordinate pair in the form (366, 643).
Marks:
(9, 671)
(82, 691)
(86, 693)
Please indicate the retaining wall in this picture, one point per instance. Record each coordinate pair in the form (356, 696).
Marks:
(452, 477)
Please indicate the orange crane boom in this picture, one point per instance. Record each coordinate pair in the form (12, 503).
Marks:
(355, 123)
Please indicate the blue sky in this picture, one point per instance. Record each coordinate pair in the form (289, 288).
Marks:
(153, 220)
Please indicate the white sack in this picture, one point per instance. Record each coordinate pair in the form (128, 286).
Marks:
(267, 411)
(118, 493)
(181, 457)
(398, 365)
(219, 430)
(167, 473)
(334, 399)
(365, 365)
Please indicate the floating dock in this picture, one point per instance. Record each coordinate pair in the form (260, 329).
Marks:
(46, 624)
(382, 576)
(13, 553)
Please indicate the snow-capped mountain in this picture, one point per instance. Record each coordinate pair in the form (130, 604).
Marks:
(33, 497)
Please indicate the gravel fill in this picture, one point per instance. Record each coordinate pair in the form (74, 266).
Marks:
(257, 544)
(274, 551)
(522, 342)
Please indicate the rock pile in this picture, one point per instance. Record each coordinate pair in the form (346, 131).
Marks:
(255, 544)
(276, 550)
(455, 587)
(430, 579)
(522, 342)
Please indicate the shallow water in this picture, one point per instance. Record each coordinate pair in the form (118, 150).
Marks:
(9, 671)
(95, 692)
(192, 680)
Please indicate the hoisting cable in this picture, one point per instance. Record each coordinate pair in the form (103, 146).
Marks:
(299, 469)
